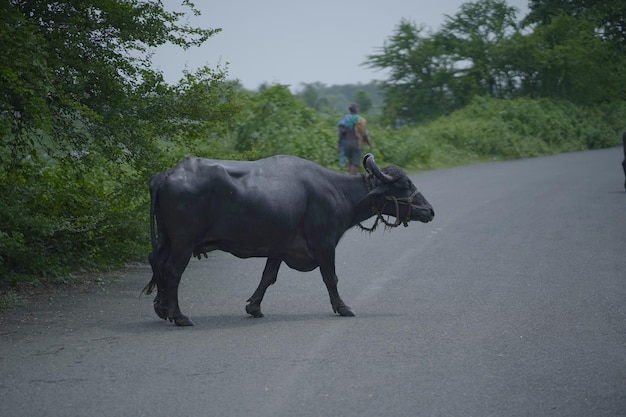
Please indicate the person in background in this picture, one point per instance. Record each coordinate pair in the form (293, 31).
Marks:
(352, 134)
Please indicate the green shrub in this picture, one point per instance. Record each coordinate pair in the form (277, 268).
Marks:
(91, 213)
(406, 147)
(57, 218)
(509, 129)
(276, 122)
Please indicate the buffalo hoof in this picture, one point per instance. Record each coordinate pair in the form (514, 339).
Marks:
(182, 321)
(344, 311)
(254, 310)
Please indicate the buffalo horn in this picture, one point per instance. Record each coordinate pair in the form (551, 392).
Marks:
(370, 165)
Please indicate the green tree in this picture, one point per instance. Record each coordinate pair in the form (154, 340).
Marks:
(311, 95)
(83, 119)
(574, 52)
(435, 73)
(474, 39)
(364, 100)
(586, 41)
(566, 59)
(274, 121)
(419, 73)
(75, 74)
(609, 16)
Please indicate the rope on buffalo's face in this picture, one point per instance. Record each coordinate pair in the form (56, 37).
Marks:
(370, 182)
(380, 218)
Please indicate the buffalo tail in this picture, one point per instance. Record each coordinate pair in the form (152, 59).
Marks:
(154, 187)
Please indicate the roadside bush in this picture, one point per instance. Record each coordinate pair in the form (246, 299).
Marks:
(509, 129)
(91, 212)
(410, 148)
(55, 219)
(491, 129)
(277, 122)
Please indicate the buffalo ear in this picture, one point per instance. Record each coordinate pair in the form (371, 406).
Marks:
(373, 195)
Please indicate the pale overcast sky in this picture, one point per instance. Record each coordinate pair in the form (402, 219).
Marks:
(293, 42)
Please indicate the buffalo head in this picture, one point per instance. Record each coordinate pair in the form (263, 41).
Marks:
(394, 194)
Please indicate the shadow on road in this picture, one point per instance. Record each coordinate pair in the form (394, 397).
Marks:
(223, 322)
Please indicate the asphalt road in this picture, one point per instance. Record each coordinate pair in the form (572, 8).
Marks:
(512, 302)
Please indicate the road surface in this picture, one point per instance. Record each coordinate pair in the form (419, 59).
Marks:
(512, 302)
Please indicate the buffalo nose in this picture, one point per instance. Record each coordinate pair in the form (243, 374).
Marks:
(432, 212)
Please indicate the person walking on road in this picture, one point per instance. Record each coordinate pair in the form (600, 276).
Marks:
(352, 134)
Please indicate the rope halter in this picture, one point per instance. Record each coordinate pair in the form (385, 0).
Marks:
(405, 201)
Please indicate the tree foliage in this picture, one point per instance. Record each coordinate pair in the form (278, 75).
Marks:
(418, 72)
(573, 52)
(276, 122)
(567, 60)
(494, 129)
(364, 100)
(334, 99)
(82, 120)
(608, 16)
(474, 39)
(75, 73)
(85, 120)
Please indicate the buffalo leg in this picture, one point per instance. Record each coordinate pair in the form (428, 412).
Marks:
(159, 260)
(327, 267)
(173, 271)
(159, 302)
(268, 278)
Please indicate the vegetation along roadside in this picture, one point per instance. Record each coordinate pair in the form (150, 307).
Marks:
(85, 120)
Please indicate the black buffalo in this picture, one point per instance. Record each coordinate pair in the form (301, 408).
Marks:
(282, 208)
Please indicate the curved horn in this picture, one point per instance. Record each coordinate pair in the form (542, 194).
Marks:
(370, 165)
